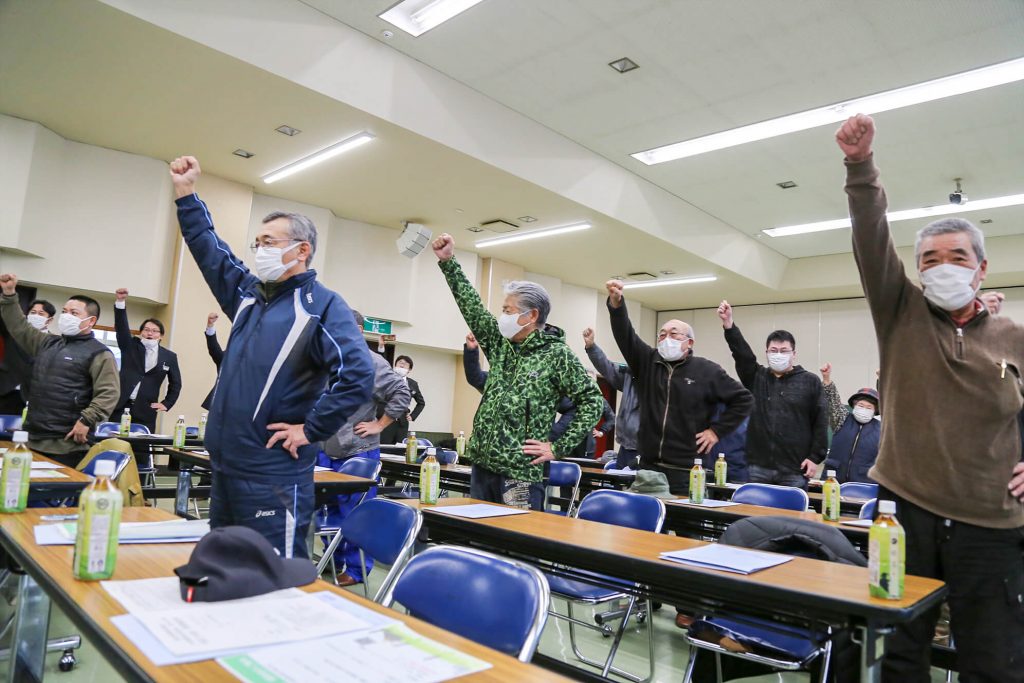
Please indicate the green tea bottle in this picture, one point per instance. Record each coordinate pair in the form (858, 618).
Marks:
(430, 481)
(411, 451)
(126, 422)
(697, 482)
(17, 471)
(721, 470)
(830, 497)
(99, 521)
(887, 548)
(179, 432)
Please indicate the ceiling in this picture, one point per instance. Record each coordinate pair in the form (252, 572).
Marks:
(707, 67)
(65, 67)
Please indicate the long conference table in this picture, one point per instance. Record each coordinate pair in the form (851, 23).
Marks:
(801, 591)
(48, 578)
(58, 483)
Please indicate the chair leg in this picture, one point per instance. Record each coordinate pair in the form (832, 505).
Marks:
(618, 636)
(826, 661)
(362, 567)
(688, 672)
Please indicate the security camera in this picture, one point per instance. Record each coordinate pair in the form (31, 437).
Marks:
(958, 197)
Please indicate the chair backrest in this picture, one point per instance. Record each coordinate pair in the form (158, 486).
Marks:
(492, 600)
(10, 423)
(120, 460)
(867, 510)
(367, 468)
(192, 431)
(564, 474)
(386, 531)
(610, 465)
(857, 489)
(107, 428)
(138, 428)
(772, 496)
(623, 508)
(446, 456)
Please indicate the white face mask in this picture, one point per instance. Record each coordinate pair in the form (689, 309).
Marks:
(268, 262)
(948, 286)
(779, 362)
(37, 321)
(508, 324)
(863, 415)
(671, 349)
(151, 344)
(69, 325)
(402, 371)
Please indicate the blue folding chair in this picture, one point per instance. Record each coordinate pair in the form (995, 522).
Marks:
(447, 456)
(491, 600)
(772, 496)
(859, 490)
(610, 465)
(119, 459)
(367, 468)
(420, 442)
(867, 510)
(384, 530)
(8, 425)
(565, 474)
(621, 508)
(192, 432)
(114, 428)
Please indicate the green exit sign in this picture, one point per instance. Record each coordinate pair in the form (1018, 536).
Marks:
(374, 326)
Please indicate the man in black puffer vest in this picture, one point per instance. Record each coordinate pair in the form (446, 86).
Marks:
(74, 380)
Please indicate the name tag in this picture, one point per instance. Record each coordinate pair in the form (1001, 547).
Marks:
(167, 368)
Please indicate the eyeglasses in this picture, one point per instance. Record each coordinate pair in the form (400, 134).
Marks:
(270, 242)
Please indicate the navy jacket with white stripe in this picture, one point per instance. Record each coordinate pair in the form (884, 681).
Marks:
(298, 358)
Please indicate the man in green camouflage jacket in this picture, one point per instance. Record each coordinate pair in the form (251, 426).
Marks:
(531, 368)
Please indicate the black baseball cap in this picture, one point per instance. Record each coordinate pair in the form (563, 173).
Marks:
(237, 562)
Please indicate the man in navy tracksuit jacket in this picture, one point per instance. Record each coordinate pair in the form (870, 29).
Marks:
(296, 367)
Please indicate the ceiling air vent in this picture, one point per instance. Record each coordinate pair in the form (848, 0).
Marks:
(642, 276)
(499, 226)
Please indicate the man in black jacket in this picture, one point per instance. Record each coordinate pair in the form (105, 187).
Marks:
(216, 353)
(788, 432)
(144, 366)
(678, 394)
(399, 429)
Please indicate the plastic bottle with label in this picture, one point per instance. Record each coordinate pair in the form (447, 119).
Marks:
(99, 524)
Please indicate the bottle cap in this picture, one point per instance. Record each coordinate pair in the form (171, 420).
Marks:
(181, 417)
(830, 473)
(721, 455)
(20, 437)
(127, 410)
(887, 507)
(104, 468)
(698, 461)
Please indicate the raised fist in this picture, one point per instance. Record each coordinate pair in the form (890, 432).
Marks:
(444, 247)
(471, 342)
(9, 283)
(212, 319)
(826, 373)
(614, 288)
(725, 313)
(121, 294)
(588, 337)
(184, 173)
(854, 137)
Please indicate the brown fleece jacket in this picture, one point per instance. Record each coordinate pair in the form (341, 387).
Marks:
(950, 435)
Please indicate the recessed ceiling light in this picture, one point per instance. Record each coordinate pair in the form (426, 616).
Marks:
(527, 219)
(986, 221)
(667, 272)
(948, 86)
(459, 211)
(387, 34)
(906, 215)
(623, 65)
(288, 130)
(475, 229)
(243, 153)
(786, 184)
(334, 150)
(416, 17)
(533, 234)
(673, 281)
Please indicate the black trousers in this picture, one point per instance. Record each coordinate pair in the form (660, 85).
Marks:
(394, 432)
(984, 570)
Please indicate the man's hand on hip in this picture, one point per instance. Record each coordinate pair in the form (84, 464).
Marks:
(292, 436)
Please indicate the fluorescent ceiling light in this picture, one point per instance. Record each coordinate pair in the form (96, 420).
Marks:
(416, 17)
(948, 86)
(906, 215)
(318, 157)
(674, 281)
(533, 234)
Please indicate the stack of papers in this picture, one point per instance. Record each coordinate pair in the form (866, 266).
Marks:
(726, 558)
(708, 503)
(865, 523)
(477, 511)
(176, 531)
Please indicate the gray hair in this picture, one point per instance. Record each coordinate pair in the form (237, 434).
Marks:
(300, 228)
(531, 297)
(947, 226)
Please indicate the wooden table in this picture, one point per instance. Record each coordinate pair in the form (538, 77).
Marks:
(452, 477)
(801, 591)
(67, 486)
(48, 577)
(593, 478)
(697, 521)
(326, 485)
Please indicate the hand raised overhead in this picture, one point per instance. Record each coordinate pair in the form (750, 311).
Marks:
(855, 136)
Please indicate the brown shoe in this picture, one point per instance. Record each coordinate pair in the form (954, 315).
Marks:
(683, 620)
(345, 580)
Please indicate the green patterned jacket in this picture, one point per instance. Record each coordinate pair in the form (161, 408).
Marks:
(524, 385)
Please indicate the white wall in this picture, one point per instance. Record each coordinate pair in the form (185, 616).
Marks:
(435, 372)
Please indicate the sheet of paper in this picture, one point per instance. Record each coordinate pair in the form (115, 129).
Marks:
(620, 473)
(135, 631)
(396, 654)
(317, 468)
(477, 511)
(155, 595)
(726, 558)
(46, 474)
(708, 503)
(182, 531)
(36, 464)
(864, 523)
(215, 627)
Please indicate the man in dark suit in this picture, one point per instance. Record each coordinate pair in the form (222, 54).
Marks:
(216, 353)
(399, 429)
(144, 366)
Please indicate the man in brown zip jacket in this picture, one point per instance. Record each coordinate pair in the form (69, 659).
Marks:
(950, 455)
(678, 393)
